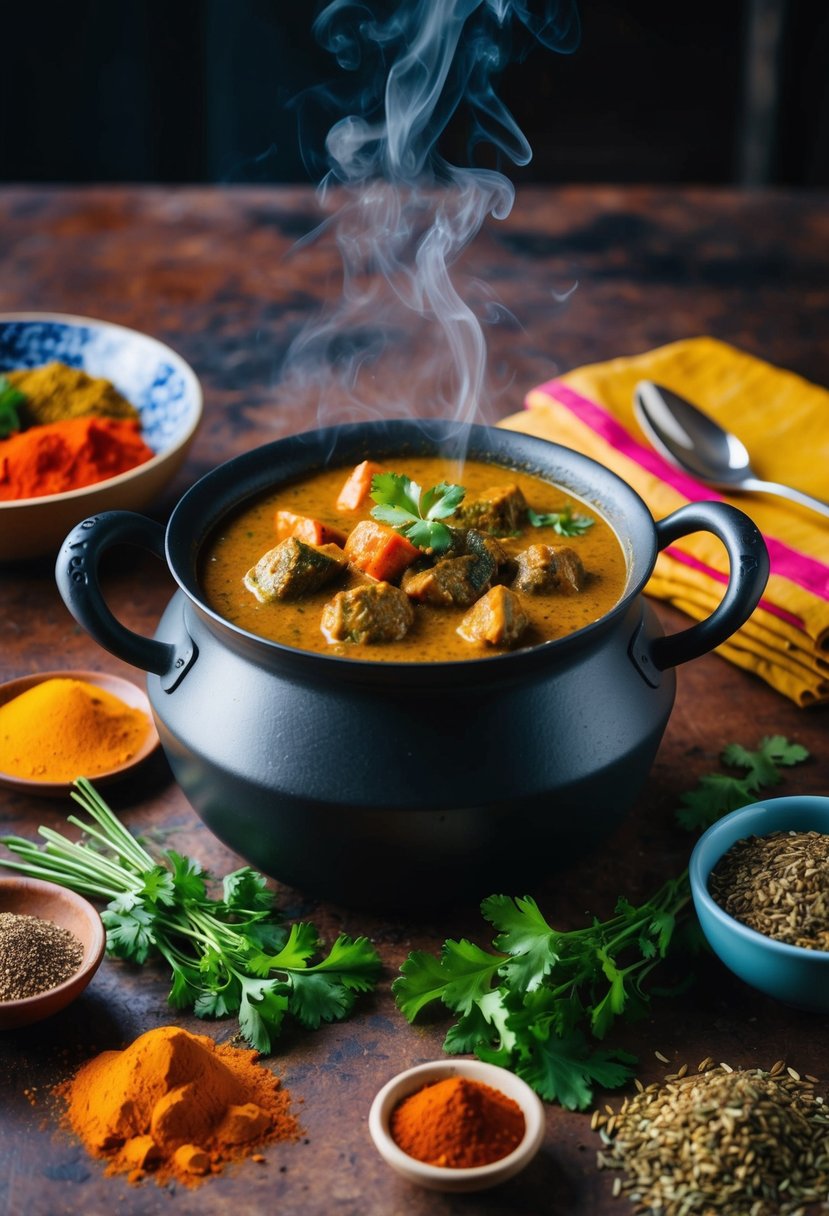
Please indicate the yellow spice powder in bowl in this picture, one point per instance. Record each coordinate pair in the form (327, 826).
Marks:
(57, 726)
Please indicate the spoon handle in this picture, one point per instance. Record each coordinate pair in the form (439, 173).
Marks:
(754, 484)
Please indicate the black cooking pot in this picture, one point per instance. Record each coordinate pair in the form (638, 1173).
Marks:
(383, 783)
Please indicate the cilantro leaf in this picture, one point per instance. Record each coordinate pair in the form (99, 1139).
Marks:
(246, 890)
(261, 1014)
(159, 886)
(129, 934)
(718, 793)
(422, 981)
(564, 522)
(316, 997)
(525, 935)
(402, 505)
(11, 399)
(188, 880)
(565, 1069)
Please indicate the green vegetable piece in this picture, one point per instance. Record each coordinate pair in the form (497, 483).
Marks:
(402, 505)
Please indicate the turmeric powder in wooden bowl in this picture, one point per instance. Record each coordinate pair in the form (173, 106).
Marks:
(56, 726)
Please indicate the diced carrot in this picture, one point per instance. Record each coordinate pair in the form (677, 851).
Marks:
(357, 487)
(379, 551)
(303, 527)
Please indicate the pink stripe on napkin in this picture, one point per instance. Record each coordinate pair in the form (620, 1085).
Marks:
(688, 560)
(806, 572)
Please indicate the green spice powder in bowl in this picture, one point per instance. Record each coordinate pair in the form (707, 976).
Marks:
(797, 975)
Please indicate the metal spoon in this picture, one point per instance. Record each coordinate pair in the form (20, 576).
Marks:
(696, 444)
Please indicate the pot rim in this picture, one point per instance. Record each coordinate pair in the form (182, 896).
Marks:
(245, 477)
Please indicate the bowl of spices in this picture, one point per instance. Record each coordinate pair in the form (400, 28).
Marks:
(760, 883)
(457, 1125)
(93, 417)
(51, 944)
(59, 725)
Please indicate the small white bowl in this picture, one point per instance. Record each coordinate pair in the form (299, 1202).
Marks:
(444, 1178)
(157, 381)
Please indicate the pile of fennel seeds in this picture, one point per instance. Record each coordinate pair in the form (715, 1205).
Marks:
(731, 1142)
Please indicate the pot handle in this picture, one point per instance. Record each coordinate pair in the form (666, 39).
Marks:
(748, 573)
(76, 573)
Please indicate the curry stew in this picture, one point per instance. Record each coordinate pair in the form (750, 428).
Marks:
(308, 566)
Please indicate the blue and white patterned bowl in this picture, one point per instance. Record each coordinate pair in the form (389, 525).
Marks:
(158, 382)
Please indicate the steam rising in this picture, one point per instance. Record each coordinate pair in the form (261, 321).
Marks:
(406, 328)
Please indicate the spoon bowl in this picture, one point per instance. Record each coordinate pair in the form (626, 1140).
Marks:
(695, 443)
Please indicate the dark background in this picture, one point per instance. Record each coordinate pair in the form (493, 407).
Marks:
(708, 91)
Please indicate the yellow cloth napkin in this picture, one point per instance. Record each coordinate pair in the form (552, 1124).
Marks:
(784, 422)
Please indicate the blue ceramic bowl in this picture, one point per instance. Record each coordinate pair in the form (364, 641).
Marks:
(792, 974)
(158, 382)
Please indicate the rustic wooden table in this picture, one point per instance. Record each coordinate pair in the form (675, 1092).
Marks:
(206, 271)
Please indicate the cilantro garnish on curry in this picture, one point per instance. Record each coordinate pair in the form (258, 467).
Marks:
(368, 563)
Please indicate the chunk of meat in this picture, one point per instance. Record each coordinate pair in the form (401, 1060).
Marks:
(460, 579)
(545, 568)
(370, 613)
(500, 510)
(498, 618)
(447, 584)
(305, 527)
(571, 572)
(357, 488)
(379, 551)
(292, 569)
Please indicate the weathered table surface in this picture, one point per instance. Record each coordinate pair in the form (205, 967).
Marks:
(205, 270)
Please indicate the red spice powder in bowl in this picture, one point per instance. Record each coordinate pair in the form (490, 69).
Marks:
(154, 379)
(69, 454)
(457, 1125)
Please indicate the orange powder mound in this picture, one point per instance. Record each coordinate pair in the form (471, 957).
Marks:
(458, 1122)
(64, 728)
(176, 1105)
(66, 455)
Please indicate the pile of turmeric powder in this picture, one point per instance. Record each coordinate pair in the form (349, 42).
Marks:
(176, 1105)
(63, 728)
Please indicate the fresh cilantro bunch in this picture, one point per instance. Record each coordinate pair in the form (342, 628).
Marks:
(527, 1007)
(535, 1002)
(228, 955)
(718, 793)
(11, 399)
(403, 505)
(565, 522)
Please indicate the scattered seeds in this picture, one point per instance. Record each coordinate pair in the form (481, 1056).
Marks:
(778, 885)
(723, 1142)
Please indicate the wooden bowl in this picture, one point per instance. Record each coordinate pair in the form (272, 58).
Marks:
(128, 692)
(46, 900)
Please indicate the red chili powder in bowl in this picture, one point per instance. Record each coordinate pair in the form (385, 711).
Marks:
(67, 455)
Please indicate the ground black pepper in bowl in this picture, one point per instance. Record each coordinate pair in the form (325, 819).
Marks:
(36, 955)
(778, 885)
